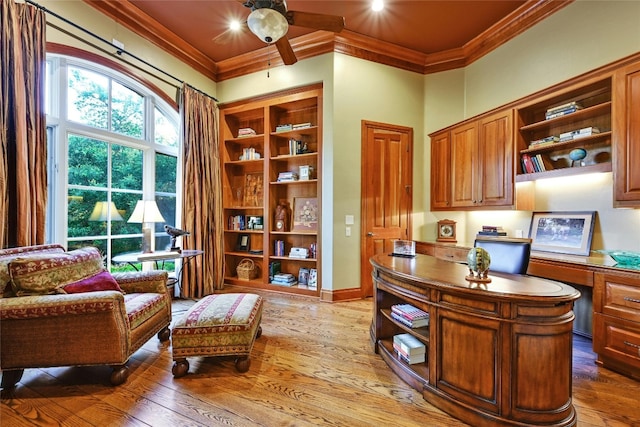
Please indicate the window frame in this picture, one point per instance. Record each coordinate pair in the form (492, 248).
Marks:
(59, 129)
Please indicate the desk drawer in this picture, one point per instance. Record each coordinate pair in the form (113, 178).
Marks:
(617, 295)
(453, 253)
(617, 340)
(562, 273)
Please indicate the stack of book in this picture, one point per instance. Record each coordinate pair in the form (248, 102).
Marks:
(492, 230)
(296, 147)
(244, 132)
(301, 125)
(544, 141)
(287, 176)
(409, 348)
(580, 133)
(284, 279)
(409, 315)
(562, 110)
(284, 127)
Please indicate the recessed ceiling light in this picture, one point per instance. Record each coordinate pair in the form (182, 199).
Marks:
(377, 5)
(235, 25)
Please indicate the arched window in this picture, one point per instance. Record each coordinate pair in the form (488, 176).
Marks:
(112, 142)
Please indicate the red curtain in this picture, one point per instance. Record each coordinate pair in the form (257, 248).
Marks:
(23, 143)
(202, 194)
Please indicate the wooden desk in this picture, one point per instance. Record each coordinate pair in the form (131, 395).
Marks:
(608, 310)
(497, 353)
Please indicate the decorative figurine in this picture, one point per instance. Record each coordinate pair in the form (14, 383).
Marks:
(281, 217)
(478, 260)
(175, 233)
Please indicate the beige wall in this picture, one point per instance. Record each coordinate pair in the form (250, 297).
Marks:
(583, 36)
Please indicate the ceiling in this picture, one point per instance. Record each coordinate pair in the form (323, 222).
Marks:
(410, 31)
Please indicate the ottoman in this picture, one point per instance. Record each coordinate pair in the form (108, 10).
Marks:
(217, 325)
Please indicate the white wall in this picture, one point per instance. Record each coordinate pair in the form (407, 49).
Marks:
(581, 37)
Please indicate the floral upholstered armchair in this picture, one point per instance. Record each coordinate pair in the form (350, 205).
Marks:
(62, 308)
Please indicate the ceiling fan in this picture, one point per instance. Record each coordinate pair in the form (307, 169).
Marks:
(269, 20)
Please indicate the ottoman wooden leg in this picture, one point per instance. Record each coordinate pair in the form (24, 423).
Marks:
(164, 334)
(259, 332)
(180, 368)
(242, 364)
(11, 378)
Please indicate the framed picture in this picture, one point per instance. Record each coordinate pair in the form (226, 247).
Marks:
(305, 214)
(243, 243)
(253, 189)
(254, 222)
(562, 232)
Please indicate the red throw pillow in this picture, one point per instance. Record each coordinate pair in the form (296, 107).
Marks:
(102, 281)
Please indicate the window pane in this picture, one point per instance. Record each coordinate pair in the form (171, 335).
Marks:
(126, 168)
(165, 131)
(101, 244)
(166, 169)
(81, 204)
(88, 98)
(87, 161)
(125, 203)
(127, 111)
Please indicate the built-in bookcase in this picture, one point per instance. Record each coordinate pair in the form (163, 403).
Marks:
(271, 162)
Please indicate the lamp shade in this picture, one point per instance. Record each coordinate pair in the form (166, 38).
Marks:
(146, 211)
(101, 212)
(268, 24)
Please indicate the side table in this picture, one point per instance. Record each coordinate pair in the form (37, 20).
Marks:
(158, 258)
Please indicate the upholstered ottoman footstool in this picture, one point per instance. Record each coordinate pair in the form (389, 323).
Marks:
(217, 325)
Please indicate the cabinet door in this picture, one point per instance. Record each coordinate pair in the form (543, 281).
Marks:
(495, 160)
(440, 172)
(626, 135)
(464, 165)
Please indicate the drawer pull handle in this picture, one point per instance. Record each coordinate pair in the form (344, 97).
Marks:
(632, 299)
(630, 344)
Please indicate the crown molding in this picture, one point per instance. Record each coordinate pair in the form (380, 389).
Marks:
(320, 42)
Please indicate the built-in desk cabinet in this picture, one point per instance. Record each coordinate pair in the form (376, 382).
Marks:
(626, 129)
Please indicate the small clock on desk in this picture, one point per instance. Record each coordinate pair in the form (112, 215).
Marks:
(446, 231)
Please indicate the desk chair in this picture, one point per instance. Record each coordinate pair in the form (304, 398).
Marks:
(507, 255)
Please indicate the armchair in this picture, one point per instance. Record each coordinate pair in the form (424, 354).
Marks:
(62, 308)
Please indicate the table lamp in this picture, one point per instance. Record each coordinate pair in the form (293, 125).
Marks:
(146, 212)
(101, 212)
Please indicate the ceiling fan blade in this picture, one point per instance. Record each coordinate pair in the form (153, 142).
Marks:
(317, 21)
(286, 51)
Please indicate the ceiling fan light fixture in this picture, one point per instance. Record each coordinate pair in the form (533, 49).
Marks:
(268, 24)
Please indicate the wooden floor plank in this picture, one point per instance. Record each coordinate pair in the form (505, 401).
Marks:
(314, 365)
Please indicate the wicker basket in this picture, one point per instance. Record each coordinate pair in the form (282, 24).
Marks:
(247, 269)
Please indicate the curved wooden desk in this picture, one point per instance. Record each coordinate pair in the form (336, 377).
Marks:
(497, 353)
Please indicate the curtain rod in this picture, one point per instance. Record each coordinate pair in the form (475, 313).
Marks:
(119, 51)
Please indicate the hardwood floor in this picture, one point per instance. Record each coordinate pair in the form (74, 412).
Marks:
(313, 365)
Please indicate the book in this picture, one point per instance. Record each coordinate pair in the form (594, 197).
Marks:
(418, 323)
(244, 132)
(313, 278)
(412, 360)
(492, 233)
(303, 276)
(409, 311)
(284, 127)
(409, 344)
(274, 268)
